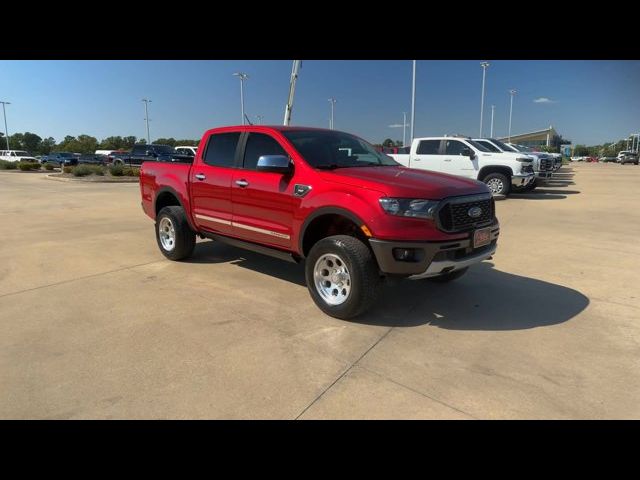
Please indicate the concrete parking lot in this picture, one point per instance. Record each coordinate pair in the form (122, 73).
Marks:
(96, 323)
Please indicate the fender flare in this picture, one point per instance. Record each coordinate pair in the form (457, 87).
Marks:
(325, 211)
(173, 192)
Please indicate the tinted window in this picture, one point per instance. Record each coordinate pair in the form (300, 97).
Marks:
(488, 145)
(163, 149)
(221, 149)
(139, 150)
(332, 149)
(454, 147)
(429, 147)
(260, 144)
(480, 147)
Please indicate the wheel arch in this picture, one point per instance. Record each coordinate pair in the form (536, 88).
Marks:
(319, 216)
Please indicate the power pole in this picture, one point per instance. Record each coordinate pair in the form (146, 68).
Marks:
(297, 64)
(146, 118)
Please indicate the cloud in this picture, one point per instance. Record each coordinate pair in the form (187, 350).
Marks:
(543, 100)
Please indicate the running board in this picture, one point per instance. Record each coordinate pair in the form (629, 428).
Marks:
(254, 247)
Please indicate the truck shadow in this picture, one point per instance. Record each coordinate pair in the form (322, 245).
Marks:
(483, 299)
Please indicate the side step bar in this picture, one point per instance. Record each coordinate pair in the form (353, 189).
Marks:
(254, 247)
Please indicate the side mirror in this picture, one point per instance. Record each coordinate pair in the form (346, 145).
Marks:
(275, 164)
(467, 152)
(150, 153)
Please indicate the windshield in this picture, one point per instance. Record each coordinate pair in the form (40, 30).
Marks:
(489, 145)
(22, 153)
(503, 146)
(479, 146)
(163, 149)
(65, 154)
(330, 149)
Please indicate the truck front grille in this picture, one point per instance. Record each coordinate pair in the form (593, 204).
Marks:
(527, 169)
(545, 164)
(455, 214)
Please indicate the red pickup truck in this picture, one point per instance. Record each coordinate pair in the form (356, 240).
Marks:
(328, 198)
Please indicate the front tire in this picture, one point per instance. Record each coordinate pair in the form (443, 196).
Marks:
(175, 238)
(342, 276)
(498, 183)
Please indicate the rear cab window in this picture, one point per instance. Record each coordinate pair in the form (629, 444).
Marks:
(428, 147)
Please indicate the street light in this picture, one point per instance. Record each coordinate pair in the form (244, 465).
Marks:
(6, 130)
(332, 101)
(484, 66)
(413, 100)
(146, 117)
(493, 108)
(404, 129)
(512, 93)
(242, 77)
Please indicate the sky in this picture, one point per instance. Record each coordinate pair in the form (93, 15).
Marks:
(587, 102)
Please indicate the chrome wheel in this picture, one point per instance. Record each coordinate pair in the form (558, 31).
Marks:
(495, 185)
(332, 279)
(167, 234)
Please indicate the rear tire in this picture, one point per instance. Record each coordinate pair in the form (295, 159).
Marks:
(449, 277)
(498, 183)
(175, 238)
(342, 276)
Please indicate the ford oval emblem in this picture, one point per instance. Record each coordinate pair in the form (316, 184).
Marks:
(474, 212)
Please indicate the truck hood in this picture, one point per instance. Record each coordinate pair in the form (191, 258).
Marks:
(405, 182)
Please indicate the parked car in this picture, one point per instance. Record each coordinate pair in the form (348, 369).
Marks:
(16, 156)
(542, 164)
(61, 159)
(92, 159)
(591, 159)
(467, 158)
(143, 153)
(629, 157)
(186, 150)
(296, 194)
(608, 159)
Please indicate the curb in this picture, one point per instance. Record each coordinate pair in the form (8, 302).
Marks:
(81, 179)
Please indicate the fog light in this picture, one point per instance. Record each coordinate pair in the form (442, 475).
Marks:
(404, 254)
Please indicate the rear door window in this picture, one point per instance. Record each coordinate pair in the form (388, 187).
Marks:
(429, 147)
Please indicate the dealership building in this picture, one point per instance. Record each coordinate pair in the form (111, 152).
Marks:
(547, 137)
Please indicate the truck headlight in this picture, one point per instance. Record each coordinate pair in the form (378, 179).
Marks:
(523, 159)
(407, 207)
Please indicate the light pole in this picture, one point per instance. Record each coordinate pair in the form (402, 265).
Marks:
(332, 101)
(413, 100)
(484, 66)
(512, 92)
(6, 130)
(404, 129)
(259, 117)
(242, 77)
(146, 117)
(493, 108)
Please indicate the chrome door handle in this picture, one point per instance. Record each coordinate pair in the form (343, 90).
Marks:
(447, 159)
(200, 176)
(242, 183)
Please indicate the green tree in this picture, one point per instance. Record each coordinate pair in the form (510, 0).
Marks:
(188, 143)
(112, 143)
(31, 142)
(581, 151)
(46, 145)
(15, 141)
(166, 141)
(388, 143)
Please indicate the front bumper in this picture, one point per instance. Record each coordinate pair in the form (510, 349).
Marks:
(543, 177)
(432, 258)
(522, 180)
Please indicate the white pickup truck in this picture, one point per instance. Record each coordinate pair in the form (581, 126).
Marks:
(464, 157)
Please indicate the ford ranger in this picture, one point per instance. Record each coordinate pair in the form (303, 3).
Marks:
(328, 198)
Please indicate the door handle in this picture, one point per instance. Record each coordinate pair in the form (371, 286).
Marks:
(200, 176)
(242, 183)
(447, 159)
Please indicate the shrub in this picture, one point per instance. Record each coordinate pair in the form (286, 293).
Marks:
(5, 165)
(116, 170)
(84, 170)
(67, 169)
(26, 166)
(131, 172)
(48, 166)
